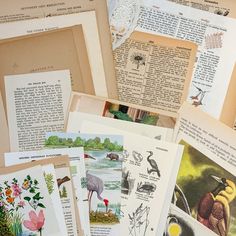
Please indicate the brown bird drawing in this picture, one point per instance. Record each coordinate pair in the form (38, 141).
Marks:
(214, 208)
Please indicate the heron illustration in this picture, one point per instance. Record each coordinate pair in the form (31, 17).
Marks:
(214, 209)
(153, 164)
(95, 184)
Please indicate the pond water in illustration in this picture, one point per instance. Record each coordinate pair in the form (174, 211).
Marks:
(101, 162)
(109, 171)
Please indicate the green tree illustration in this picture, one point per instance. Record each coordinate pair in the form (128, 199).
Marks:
(64, 192)
(50, 182)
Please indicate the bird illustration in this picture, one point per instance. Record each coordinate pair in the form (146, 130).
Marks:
(137, 156)
(198, 101)
(95, 184)
(62, 181)
(153, 164)
(87, 156)
(214, 209)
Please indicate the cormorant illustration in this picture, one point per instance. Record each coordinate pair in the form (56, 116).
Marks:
(214, 209)
(95, 184)
(153, 164)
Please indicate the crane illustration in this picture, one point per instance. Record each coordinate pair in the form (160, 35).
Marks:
(95, 184)
(214, 208)
(153, 164)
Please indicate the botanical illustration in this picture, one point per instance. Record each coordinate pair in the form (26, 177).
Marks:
(139, 221)
(63, 192)
(208, 191)
(15, 196)
(138, 59)
(49, 181)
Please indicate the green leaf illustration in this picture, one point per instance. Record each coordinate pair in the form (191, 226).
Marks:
(41, 205)
(27, 199)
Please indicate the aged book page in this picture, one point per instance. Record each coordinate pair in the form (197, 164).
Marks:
(4, 137)
(61, 49)
(228, 113)
(219, 7)
(89, 23)
(154, 71)
(214, 35)
(26, 9)
(144, 213)
(204, 130)
(36, 104)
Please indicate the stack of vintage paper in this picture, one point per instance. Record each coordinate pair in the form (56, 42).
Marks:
(117, 118)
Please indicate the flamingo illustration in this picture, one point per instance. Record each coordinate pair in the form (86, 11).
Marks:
(95, 184)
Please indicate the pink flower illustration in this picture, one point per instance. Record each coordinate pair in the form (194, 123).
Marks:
(16, 190)
(21, 204)
(36, 222)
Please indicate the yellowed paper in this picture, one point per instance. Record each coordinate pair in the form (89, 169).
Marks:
(26, 9)
(154, 71)
(219, 7)
(4, 137)
(228, 113)
(48, 51)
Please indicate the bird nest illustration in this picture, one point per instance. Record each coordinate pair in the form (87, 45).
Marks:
(98, 217)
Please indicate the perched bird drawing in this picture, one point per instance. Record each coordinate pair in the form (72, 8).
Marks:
(95, 184)
(62, 181)
(214, 208)
(198, 101)
(153, 164)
